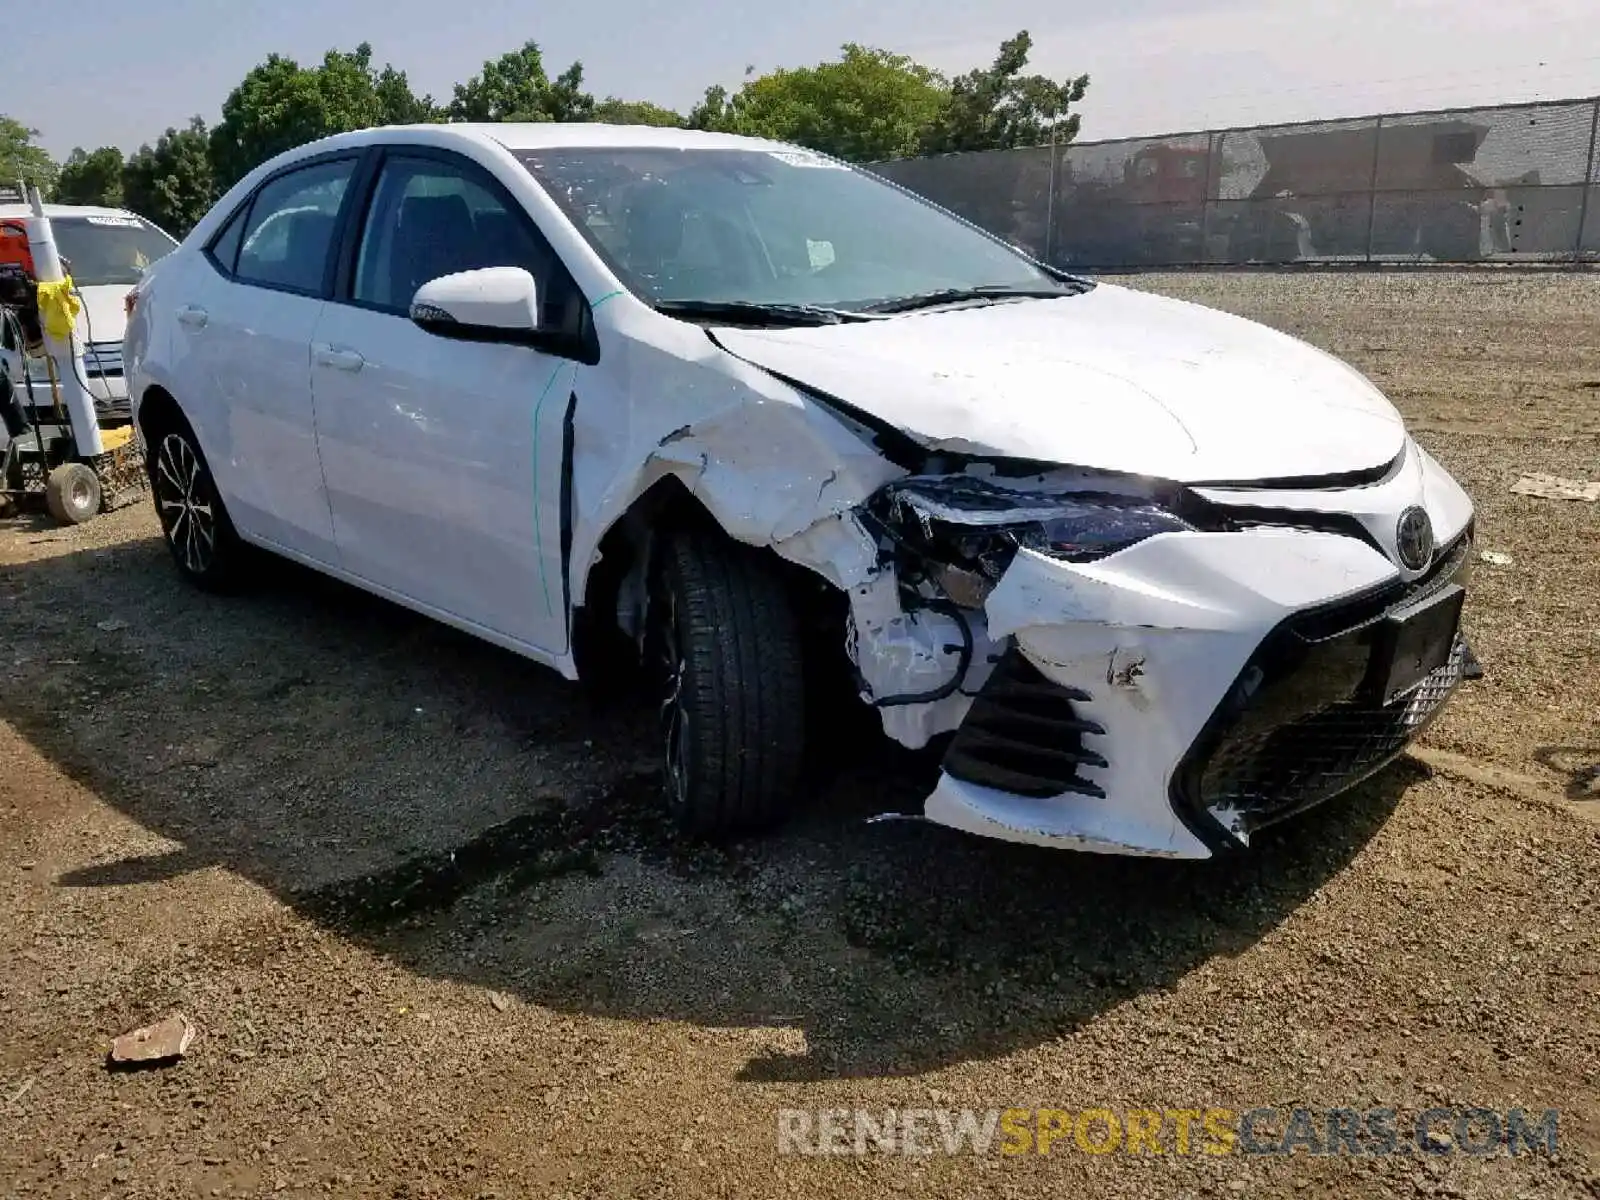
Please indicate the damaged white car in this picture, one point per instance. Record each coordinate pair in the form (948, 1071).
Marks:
(1152, 576)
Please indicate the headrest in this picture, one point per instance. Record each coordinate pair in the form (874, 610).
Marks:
(653, 221)
(427, 217)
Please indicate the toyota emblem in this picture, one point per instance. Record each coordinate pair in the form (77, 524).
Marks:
(1413, 539)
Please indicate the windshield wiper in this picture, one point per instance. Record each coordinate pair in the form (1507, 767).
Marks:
(989, 291)
(749, 312)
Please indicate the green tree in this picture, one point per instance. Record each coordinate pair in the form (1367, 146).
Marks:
(398, 104)
(516, 87)
(171, 183)
(634, 112)
(91, 177)
(999, 108)
(868, 105)
(713, 111)
(280, 105)
(21, 160)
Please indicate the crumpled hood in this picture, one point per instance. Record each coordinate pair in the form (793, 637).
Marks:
(1113, 379)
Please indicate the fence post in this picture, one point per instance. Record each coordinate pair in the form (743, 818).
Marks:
(1050, 200)
(1205, 200)
(1591, 181)
(1372, 184)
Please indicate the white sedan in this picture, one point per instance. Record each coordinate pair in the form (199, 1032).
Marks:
(1150, 576)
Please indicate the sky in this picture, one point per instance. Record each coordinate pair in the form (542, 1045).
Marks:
(120, 72)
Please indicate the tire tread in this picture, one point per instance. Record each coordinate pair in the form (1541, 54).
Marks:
(56, 486)
(746, 696)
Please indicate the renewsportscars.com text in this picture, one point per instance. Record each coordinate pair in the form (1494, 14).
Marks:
(1199, 1131)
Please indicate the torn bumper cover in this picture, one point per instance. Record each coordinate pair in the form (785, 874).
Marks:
(1174, 696)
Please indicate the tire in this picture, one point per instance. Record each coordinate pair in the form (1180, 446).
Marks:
(730, 672)
(72, 493)
(193, 519)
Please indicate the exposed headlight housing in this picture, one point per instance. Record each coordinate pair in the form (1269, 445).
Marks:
(985, 521)
(950, 538)
(1087, 529)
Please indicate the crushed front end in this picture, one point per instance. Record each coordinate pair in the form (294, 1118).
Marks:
(1133, 667)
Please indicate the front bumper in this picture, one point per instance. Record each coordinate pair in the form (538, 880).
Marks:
(1179, 696)
(103, 375)
(102, 363)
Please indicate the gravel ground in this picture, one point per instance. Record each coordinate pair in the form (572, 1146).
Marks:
(415, 896)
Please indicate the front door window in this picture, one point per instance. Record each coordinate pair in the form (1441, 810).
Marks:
(431, 218)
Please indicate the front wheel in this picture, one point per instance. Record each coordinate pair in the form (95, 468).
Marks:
(727, 649)
(193, 519)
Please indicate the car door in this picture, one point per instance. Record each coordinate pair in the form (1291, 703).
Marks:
(243, 352)
(444, 458)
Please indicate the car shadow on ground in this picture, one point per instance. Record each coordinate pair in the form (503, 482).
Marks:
(1580, 765)
(476, 818)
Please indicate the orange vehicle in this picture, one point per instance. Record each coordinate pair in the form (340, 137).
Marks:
(17, 279)
(14, 253)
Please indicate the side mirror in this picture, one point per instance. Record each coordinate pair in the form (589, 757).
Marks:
(493, 304)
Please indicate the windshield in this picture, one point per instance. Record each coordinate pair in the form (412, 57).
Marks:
(769, 227)
(109, 249)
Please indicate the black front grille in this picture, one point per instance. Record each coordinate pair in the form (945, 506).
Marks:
(1023, 735)
(116, 411)
(1303, 723)
(103, 360)
(1264, 775)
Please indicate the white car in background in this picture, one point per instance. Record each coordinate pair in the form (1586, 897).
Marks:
(1154, 576)
(107, 251)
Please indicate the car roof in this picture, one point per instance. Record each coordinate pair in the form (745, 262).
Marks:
(550, 135)
(14, 211)
(498, 137)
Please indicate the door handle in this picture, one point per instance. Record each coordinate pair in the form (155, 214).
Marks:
(193, 316)
(338, 358)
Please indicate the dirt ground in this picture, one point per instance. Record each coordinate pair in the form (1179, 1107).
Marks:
(415, 895)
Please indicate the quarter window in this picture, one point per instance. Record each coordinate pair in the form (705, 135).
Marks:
(290, 229)
(224, 248)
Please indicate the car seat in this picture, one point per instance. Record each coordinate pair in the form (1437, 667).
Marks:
(306, 240)
(652, 224)
(505, 241)
(435, 236)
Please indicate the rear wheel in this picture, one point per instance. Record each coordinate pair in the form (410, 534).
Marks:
(193, 520)
(72, 493)
(727, 652)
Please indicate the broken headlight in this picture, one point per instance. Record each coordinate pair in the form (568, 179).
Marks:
(965, 530)
(1089, 527)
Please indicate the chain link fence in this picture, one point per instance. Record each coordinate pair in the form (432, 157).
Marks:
(1513, 183)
